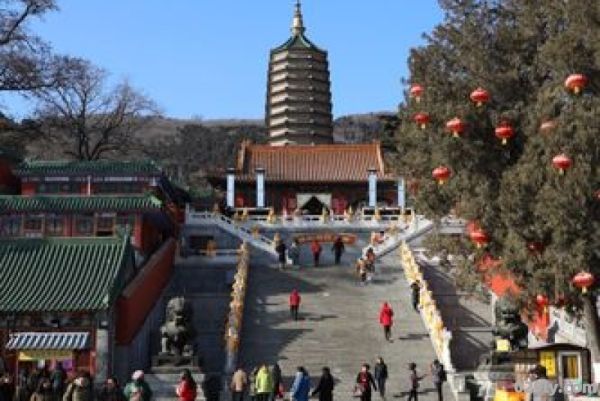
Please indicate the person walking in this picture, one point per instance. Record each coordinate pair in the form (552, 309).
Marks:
(43, 391)
(414, 380)
(338, 249)
(57, 379)
(277, 382)
(438, 377)
(264, 384)
(415, 294)
(365, 384)
(111, 391)
(301, 386)
(316, 249)
(137, 389)
(252, 384)
(386, 319)
(239, 382)
(381, 375)
(294, 252)
(211, 387)
(295, 300)
(281, 249)
(325, 386)
(187, 389)
(361, 271)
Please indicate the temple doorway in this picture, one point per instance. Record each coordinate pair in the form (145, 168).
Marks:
(313, 204)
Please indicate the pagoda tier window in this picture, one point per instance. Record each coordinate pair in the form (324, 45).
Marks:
(54, 225)
(84, 225)
(10, 226)
(59, 188)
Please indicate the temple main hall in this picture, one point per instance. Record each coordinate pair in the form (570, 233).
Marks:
(301, 169)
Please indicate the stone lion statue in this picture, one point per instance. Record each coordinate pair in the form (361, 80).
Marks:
(509, 325)
(177, 331)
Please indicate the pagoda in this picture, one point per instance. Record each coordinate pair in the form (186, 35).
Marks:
(298, 108)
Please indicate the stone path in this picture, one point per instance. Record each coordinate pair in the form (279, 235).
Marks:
(339, 324)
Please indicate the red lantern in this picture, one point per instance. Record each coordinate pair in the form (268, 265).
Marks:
(547, 126)
(456, 126)
(480, 96)
(422, 119)
(576, 82)
(441, 174)
(479, 237)
(542, 301)
(504, 132)
(416, 91)
(562, 162)
(583, 280)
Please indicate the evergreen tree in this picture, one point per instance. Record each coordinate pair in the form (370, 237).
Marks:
(521, 52)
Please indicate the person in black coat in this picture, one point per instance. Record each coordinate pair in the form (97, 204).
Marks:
(325, 386)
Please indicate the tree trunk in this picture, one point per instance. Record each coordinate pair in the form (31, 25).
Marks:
(590, 316)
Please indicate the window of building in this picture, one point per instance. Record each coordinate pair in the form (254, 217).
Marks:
(126, 222)
(84, 224)
(119, 187)
(54, 225)
(11, 226)
(59, 188)
(105, 225)
(33, 224)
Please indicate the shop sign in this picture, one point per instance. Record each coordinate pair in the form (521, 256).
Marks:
(548, 360)
(45, 354)
(348, 239)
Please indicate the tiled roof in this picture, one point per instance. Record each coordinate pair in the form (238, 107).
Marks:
(61, 274)
(297, 41)
(311, 163)
(84, 168)
(68, 203)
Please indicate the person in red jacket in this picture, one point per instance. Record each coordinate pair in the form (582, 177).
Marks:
(187, 388)
(295, 303)
(386, 316)
(316, 249)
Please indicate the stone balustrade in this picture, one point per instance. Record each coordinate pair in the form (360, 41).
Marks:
(439, 334)
(233, 327)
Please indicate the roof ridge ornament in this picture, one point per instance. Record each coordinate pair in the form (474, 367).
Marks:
(297, 22)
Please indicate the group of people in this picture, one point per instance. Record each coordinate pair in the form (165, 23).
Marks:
(293, 252)
(59, 385)
(266, 384)
(365, 267)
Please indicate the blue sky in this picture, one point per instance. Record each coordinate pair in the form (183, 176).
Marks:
(209, 58)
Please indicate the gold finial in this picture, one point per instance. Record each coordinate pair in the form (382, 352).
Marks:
(297, 23)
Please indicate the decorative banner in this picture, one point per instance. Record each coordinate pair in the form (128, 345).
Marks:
(45, 354)
(348, 239)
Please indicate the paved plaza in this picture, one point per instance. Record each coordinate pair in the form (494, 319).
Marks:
(338, 324)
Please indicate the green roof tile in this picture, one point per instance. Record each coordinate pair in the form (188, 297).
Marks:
(61, 274)
(68, 203)
(298, 41)
(94, 168)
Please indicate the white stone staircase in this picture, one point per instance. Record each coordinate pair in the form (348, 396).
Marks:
(257, 241)
(418, 227)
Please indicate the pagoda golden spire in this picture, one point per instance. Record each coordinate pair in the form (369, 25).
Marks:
(297, 23)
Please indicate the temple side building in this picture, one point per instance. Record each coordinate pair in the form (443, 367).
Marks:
(298, 109)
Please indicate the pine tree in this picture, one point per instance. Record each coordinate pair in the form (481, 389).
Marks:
(521, 52)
